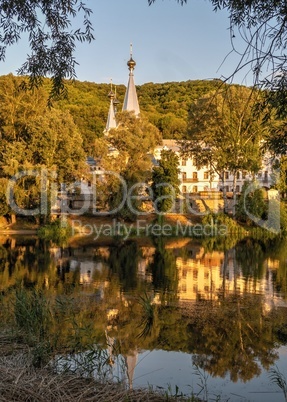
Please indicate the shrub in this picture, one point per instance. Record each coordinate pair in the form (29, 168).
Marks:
(55, 232)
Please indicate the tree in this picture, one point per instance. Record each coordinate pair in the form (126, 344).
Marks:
(165, 181)
(52, 39)
(263, 26)
(179, 1)
(252, 203)
(235, 338)
(130, 146)
(223, 133)
(34, 137)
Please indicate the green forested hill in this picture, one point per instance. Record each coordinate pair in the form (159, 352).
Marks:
(165, 105)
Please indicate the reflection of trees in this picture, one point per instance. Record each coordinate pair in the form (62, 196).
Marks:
(164, 271)
(25, 261)
(278, 252)
(234, 337)
(250, 255)
(123, 262)
(253, 255)
(232, 334)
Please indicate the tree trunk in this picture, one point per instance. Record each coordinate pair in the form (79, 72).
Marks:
(13, 218)
(224, 193)
(234, 193)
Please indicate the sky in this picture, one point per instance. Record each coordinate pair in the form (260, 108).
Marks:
(170, 43)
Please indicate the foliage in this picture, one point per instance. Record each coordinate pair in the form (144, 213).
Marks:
(51, 40)
(262, 25)
(283, 217)
(132, 142)
(164, 272)
(251, 202)
(179, 1)
(33, 318)
(221, 219)
(250, 258)
(165, 181)
(167, 105)
(223, 133)
(164, 105)
(222, 338)
(123, 266)
(230, 333)
(43, 143)
(279, 379)
(56, 231)
(149, 316)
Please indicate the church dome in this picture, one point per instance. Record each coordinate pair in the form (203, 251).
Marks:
(131, 63)
(111, 95)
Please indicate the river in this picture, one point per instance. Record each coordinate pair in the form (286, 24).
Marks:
(190, 316)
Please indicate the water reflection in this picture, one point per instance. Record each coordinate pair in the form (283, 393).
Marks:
(225, 308)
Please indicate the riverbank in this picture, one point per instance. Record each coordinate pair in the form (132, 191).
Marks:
(21, 382)
(75, 230)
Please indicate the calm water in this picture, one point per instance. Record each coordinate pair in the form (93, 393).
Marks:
(209, 318)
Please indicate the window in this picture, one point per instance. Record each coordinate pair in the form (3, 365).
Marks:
(183, 176)
(195, 274)
(206, 275)
(183, 162)
(259, 175)
(226, 175)
(237, 189)
(244, 174)
(238, 175)
(227, 188)
(194, 189)
(266, 175)
(194, 175)
(183, 189)
(206, 175)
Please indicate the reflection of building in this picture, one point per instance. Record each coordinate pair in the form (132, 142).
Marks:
(131, 362)
(125, 368)
(199, 275)
(87, 269)
(206, 275)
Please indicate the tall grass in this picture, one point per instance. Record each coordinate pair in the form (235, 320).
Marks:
(33, 320)
(278, 378)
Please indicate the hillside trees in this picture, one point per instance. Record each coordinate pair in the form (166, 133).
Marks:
(52, 39)
(33, 138)
(164, 105)
(223, 133)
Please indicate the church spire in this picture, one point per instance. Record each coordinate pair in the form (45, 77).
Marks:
(111, 121)
(131, 100)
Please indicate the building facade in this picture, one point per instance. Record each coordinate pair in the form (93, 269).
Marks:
(194, 180)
